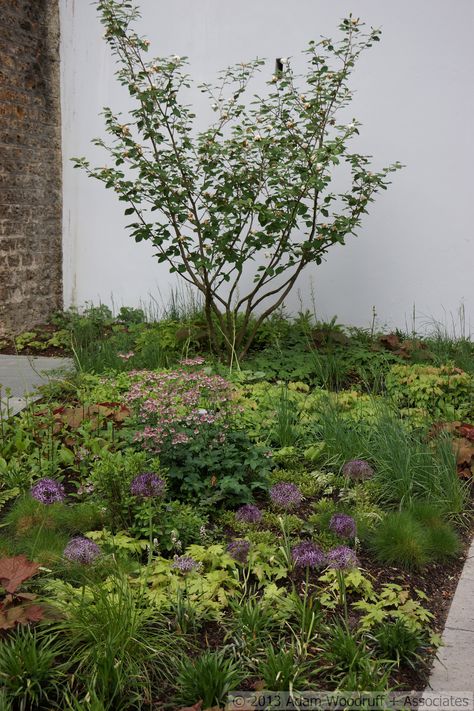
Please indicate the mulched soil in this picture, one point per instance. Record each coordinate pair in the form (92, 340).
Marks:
(44, 330)
(438, 581)
(50, 352)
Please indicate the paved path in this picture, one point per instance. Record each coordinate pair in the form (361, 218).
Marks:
(454, 668)
(21, 375)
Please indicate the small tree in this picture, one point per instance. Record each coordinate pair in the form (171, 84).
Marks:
(251, 194)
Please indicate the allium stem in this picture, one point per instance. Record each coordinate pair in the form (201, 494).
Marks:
(150, 531)
(37, 538)
(306, 589)
(343, 595)
(286, 547)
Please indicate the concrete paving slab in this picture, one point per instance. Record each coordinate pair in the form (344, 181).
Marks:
(14, 405)
(21, 375)
(462, 617)
(452, 670)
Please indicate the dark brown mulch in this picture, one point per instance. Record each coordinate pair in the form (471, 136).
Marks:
(438, 581)
(50, 352)
(43, 331)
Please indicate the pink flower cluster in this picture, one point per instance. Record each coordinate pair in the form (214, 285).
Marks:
(191, 362)
(177, 405)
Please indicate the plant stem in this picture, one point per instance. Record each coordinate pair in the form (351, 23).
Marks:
(150, 531)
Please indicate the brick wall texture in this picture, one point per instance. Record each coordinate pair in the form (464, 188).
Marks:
(30, 163)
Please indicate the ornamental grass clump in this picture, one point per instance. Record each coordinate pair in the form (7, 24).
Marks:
(414, 538)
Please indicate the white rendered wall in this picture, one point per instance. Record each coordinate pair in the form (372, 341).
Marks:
(414, 98)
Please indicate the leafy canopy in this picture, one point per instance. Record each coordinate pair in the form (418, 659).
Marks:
(250, 199)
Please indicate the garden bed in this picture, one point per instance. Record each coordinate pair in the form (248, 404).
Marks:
(173, 533)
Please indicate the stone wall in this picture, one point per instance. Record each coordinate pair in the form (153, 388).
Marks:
(30, 163)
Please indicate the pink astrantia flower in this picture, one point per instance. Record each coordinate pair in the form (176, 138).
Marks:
(189, 362)
(176, 406)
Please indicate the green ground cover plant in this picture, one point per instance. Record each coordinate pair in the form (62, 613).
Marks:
(221, 495)
(238, 542)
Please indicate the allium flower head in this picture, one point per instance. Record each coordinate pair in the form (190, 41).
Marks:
(286, 495)
(185, 564)
(357, 469)
(147, 485)
(343, 525)
(48, 491)
(308, 555)
(249, 513)
(342, 558)
(81, 550)
(239, 550)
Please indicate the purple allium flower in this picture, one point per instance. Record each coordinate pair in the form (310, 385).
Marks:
(343, 525)
(357, 469)
(48, 491)
(308, 555)
(185, 564)
(286, 495)
(342, 558)
(147, 485)
(248, 514)
(81, 550)
(239, 550)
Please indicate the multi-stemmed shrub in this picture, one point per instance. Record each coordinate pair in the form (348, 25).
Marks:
(251, 195)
